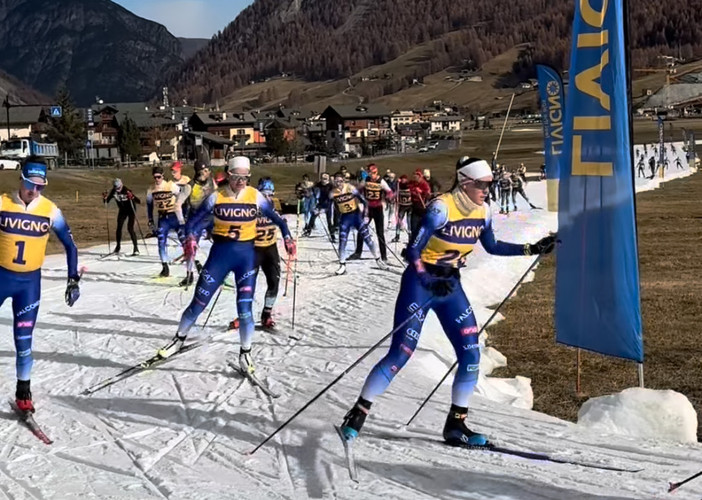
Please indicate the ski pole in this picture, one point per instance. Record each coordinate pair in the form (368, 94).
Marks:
(494, 313)
(387, 247)
(139, 227)
(674, 486)
(340, 376)
(297, 237)
(212, 308)
(328, 233)
(297, 232)
(107, 222)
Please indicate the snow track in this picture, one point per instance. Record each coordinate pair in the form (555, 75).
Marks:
(184, 430)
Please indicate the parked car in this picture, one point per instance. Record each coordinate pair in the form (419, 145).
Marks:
(6, 164)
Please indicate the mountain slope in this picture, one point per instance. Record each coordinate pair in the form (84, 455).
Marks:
(325, 39)
(94, 47)
(20, 93)
(189, 46)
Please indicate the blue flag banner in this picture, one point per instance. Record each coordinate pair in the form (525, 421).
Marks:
(552, 105)
(552, 116)
(597, 275)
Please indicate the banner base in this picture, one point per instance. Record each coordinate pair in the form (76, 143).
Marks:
(552, 194)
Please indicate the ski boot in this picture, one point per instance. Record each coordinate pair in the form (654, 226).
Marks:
(306, 232)
(198, 266)
(165, 273)
(117, 250)
(188, 280)
(457, 434)
(396, 239)
(267, 321)
(382, 263)
(234, 325)
(23, 397)
(175, 345)
(354, 256)
(355, 418)
(135, 252)
(515, 208)
(342, 269)
(246, 361)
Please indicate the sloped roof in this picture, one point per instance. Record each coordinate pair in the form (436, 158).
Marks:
(226, 117)
(22, 115)
(359, 111)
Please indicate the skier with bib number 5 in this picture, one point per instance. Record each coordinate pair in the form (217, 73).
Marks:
(235, 207)
(453, 224)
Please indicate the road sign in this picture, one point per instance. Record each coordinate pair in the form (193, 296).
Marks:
(91, 134)
(88, 144)
(56, 112)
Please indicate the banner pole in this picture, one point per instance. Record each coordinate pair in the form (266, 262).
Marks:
(641, 375)
(578, 392)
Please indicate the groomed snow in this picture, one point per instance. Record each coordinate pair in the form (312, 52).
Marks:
(183, 431)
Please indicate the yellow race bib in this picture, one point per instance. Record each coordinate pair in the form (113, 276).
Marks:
(235, 217)
(24, 233)
(345, 200)
(450, 245)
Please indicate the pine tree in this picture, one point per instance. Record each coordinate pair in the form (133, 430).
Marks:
(69, 130)
(128, 139)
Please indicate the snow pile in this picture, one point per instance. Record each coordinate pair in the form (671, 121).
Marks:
(641, 413)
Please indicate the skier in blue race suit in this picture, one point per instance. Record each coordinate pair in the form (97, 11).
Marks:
(26, 218)
(454, 223)
(235, 207)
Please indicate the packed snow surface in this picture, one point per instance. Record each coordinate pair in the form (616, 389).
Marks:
(641, 413)
(184, 430)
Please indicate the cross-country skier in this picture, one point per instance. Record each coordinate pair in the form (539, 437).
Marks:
(372, 189)
(267, 257)
(235, 208)
(166, 196)
(505, 184)
(518, 188)
(322, 192)
(453, 224)
(404, 207)
(125, 199)
(347, 198)
(183, 182)
(203, 186)
(26, 218)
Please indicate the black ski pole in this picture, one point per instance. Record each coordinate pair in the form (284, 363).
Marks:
(107, 221)
(212, 308)
(328, 233)
(674, 486)
(494, 313)
(341, 375)
(139, 226)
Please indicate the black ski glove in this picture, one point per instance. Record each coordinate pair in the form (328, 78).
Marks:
(72, 291)
(542, 247)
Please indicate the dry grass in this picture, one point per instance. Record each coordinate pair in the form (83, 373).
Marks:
(671, 295)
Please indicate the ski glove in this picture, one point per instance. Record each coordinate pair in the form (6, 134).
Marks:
(544, 246)
(72, 291)
(441, 287)
(189, 248)
(290, 247)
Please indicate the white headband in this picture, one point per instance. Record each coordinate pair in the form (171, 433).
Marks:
(475, 169)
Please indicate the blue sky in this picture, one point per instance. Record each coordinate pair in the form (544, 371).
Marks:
(188, 18)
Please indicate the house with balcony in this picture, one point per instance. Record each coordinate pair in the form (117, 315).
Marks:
(354, 125)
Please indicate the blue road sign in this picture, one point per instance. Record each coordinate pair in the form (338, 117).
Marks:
(56, 112)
